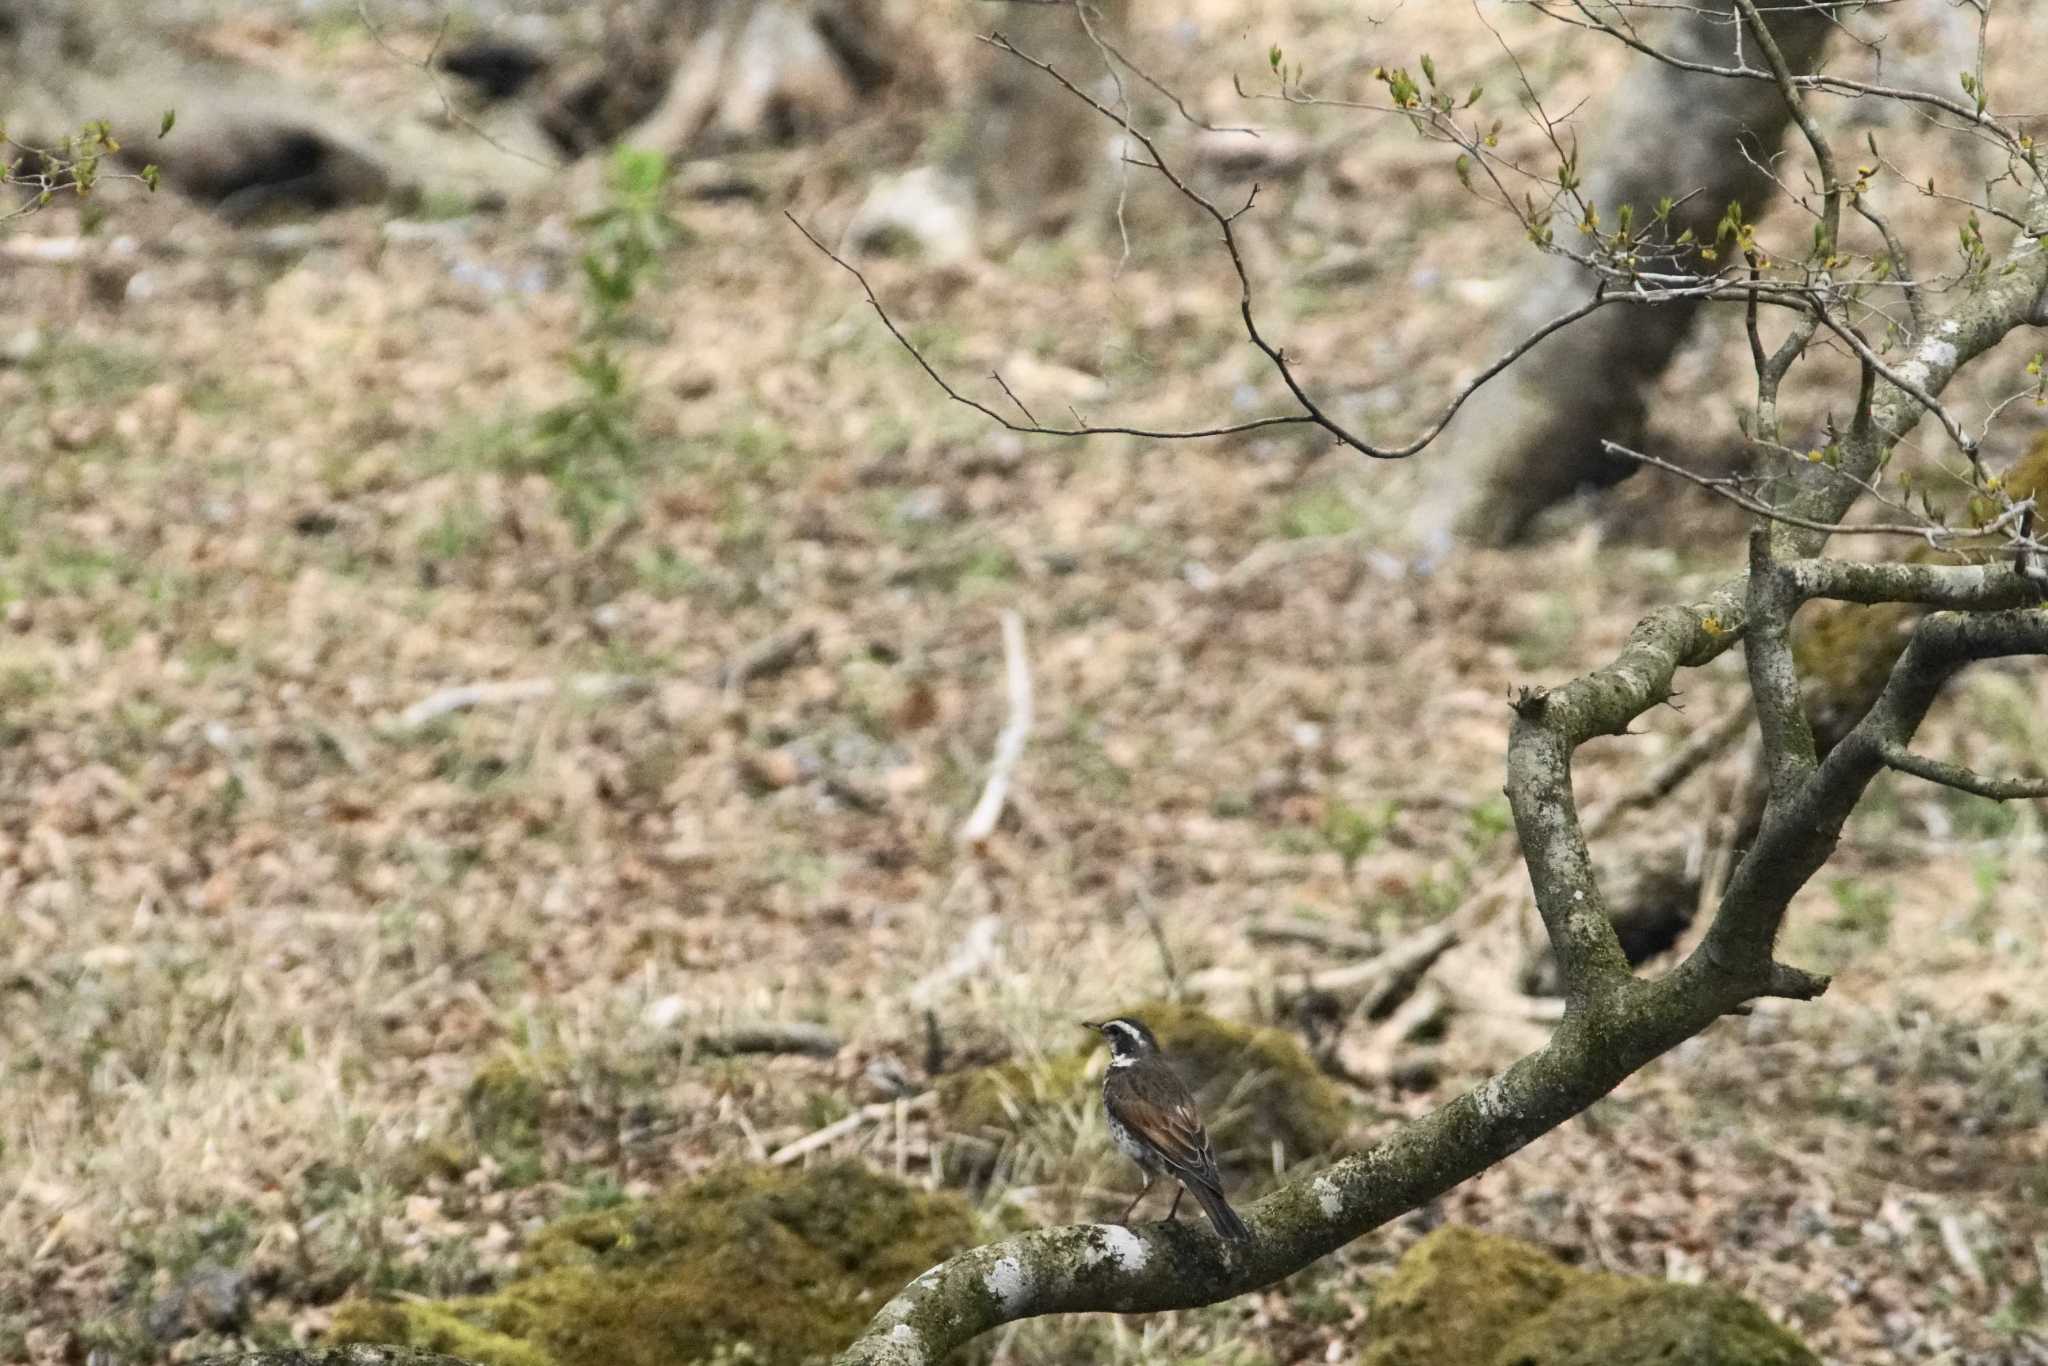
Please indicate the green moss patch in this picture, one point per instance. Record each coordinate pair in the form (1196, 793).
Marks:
(1009, 1095)
(1256, 1087)
(789, 1265)
(1462, 1298)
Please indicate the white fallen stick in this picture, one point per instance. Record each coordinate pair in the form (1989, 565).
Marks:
(468, 695)
(981, 822)
(840, 1128)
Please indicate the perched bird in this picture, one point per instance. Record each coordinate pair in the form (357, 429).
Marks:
(1153, 1120)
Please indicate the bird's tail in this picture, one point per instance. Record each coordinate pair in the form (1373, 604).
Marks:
(1225, 1219)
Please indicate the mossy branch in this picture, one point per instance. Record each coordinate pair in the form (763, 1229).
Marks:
(1615, 1023)
(1615, 1026)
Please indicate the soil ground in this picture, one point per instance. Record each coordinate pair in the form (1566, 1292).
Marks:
(266, 491)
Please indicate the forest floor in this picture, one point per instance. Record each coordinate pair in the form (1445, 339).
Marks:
(264, 923)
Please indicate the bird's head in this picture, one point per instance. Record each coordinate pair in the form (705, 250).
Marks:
(1128, 1038)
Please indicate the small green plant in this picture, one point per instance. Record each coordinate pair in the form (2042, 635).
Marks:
(1861, 924)
(624, 243)
(1866, 911)
(1488, 821)
(1320, 512)
(1354, 831)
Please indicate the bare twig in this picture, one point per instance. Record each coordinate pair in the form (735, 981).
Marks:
(981, 822)
(1727, 487)
(795, 1036)
(1963, 779)
(1370, 986)
(1788, 86)
(1312, 413)
(840, 1128)
(465, 696)
(772, 656)
(1315, 934)
(1699, 748)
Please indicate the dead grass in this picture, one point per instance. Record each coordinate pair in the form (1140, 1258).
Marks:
(261, 936)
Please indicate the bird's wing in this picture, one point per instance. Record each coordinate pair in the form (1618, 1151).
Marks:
(1161, 1109)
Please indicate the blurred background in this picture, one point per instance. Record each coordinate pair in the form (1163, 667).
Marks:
(499, 643)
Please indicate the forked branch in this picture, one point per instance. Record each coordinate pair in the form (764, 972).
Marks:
(1615, 1022)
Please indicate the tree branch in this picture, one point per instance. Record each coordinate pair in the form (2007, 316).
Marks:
(1103, 1267)
(1788, 86)
(1800, 833)
(1789, 755)
(1615, 1025)
(1539, 790)
(1958, 587)
(1962, 779)
(1729, 487)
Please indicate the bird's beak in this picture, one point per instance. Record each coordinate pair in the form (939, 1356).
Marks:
(1090, 1024)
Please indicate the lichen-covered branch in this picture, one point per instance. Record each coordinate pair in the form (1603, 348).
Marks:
(1100, 1267)
(1615, 1026)
(1958, 587)
(1539, 789)
(1887, 415)
(1789, 754)
(1615, 1023)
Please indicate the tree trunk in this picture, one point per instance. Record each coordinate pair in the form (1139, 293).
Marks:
(688, 77)
(1034, 153)
(1532, 438)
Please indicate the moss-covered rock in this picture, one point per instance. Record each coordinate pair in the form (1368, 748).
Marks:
(1462, 1298)
(1257, 1087)
(788, 1264)
(505, 1103)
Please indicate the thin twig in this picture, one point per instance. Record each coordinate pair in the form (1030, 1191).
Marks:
(467, 695)
(1702, 746)
(981, 822)
(1312, 413)
(1315, 934)
(770, 657)
(1725, 487)
(809, 1040)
